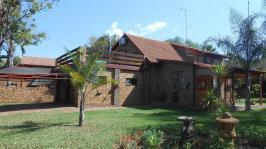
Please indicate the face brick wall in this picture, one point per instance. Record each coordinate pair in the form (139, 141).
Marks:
(24, 94)
(101, 95)
(128, 94)
(161, 84)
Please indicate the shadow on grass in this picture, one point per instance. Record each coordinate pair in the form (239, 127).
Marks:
(30, 126)
(17, 107)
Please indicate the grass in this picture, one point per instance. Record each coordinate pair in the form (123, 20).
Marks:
(102, 128)
(256, 100)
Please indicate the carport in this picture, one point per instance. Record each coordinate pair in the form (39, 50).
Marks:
(28, 83)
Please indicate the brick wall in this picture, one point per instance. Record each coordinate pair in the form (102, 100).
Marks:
(161, 84)
(128, 94)
(101, 95)
(23, 94)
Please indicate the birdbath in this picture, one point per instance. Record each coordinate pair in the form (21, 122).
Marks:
(227, 125)
(187, 129)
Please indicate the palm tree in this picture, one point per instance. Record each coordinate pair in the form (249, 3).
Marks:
(84, 75)
(219, 71)
(247, 48)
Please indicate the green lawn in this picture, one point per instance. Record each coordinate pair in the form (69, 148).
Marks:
(102, 128)
(256, 100)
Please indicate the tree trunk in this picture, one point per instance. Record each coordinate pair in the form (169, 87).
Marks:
(219, 88)
(10, 54)
(81, 109)
(247, 90)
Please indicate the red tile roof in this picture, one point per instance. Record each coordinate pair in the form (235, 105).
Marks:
(157, 50)
(37, 61)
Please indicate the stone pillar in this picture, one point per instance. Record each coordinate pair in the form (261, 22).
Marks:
(116, 88)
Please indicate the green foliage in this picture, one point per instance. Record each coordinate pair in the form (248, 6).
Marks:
(251, 136)
(17, 24)
(84, 74)
(103, 42)
(211, 101)
(247, 48)
(152, 138)
(180, 40)
(219, 71)
(16, 60)
(255, 90)
(209, 48)
(193, 44)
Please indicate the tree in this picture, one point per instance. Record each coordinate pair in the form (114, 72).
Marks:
(247, 48)
(176, 40)
(17, 25)
(208, 47)
(180, 40)
(16, 60)
(103, 42)
(204, 46)
(84, 75)
(219, 71)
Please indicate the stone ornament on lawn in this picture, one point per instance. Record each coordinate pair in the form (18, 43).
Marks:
(187, 129)
(227, 125)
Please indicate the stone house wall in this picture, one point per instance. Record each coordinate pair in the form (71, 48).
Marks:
(162, 84)
(23, 94)
(128, 94)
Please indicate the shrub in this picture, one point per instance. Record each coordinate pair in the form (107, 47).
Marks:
(248, 135)
(152, 138)
(211, 101)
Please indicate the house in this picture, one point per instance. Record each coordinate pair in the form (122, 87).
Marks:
(171, 73)
(146, 71)
(152, 72)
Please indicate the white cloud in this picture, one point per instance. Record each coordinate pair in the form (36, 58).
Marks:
(115, 30)
(155, 26)
(140, 30)
(132, 32)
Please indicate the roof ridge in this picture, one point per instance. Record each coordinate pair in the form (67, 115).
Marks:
(38, 57)
(180, 45)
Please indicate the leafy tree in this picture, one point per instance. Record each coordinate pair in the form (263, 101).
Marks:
(180, 40)
(176, 40)
(84, 75)
(17, 25)
(248, 46)
(209, 48)
(190, 43)
(16, 60)
(103, 42)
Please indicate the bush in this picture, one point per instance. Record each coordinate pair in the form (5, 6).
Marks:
(152, 138)
(211, 101)
(250, 136)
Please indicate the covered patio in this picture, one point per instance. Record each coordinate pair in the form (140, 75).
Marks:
(234, 82)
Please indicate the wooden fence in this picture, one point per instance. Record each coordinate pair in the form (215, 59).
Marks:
(111, 57)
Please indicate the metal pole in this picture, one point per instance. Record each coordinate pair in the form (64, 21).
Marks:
(186, 22)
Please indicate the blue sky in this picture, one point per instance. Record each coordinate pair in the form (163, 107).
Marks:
(71, 22)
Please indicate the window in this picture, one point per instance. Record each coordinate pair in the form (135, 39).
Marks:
(177, 78)
(131, 81)
(41, 82)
